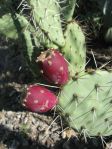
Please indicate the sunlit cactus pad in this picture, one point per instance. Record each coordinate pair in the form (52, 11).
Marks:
(46, 14)
(75, 47)
(87, 103)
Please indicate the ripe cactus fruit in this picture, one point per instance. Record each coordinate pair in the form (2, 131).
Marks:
(54, 66)
(87, 103)
(39, 99)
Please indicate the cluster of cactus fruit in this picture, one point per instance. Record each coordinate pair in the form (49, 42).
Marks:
(84, 98)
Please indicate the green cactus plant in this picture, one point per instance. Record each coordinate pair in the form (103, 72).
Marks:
(7, 27)
(75, 48)
(11, 29)
(67, 9)
(48, 19)
(87, 103)
(72, 33)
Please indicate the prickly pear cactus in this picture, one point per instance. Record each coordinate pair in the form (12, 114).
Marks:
(86, 100)
(7, 27)
(47, 16)
(75, 48)
(46, 31)
(67, 9)
(87, 103)
(30, 46)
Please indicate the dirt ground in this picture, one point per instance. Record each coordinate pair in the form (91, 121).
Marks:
(20, 128)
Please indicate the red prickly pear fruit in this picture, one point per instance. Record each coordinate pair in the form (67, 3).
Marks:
(54, 66)
(39, 99)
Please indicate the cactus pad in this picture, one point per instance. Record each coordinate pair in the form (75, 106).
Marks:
(87, 103)
(68, 7)
(47, 16)
(74, 49)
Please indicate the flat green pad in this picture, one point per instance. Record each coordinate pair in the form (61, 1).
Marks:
(87, 103)
(75, 48)
(47, 16)
(68, 8)
(7, 27)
